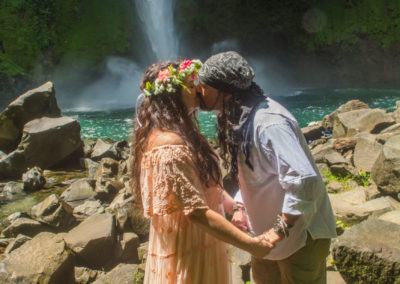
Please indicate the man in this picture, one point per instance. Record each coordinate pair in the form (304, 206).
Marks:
(281, 188)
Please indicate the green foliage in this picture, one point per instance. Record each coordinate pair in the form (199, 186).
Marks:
(362, 179)
(340, 223)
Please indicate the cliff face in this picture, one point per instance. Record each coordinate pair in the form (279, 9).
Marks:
(352, 42)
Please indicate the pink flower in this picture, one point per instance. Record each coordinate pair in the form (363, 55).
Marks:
(163, 75)
(185, 64)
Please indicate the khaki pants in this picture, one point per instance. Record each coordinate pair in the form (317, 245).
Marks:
(307, 265)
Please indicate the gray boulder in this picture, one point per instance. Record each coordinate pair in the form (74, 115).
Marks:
(123, 274)
(84, 275)
(48, 141)
(33, 179)
(391, 216)
(10, 190)
(16, 243)
(24, 226)
(328, 120)
(87, 209)
(54, 212)
(312, 133)
(13, 165)
(366, 152)
(369, 253)
(93, 240)
(127, 248)
(362, 120)
(79, 191)
(31, 105)
(102, 150)
(44, 259)
(386, 169)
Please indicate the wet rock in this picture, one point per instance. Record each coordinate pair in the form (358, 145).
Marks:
(16, 243)
(369, 252)
(123, 274)
(79, 191)
(33, 179)
(31, 105)
(24, 226)
(385, 171)
(87, 209)
(54, 212)
(93, 240)
(44, 259)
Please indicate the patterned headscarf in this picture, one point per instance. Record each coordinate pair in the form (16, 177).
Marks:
(227, 71)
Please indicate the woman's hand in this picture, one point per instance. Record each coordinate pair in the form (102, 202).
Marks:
(262, 246)
(240, 220)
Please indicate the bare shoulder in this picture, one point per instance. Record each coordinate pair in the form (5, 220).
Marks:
(160, 138)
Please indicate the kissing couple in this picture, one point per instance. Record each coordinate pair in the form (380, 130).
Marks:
(281, 215)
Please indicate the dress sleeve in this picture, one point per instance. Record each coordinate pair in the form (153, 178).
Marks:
(292, 166)
(174, 183)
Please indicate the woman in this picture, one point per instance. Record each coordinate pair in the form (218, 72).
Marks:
(177, 176)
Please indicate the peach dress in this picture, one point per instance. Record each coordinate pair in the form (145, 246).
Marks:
(180, 251)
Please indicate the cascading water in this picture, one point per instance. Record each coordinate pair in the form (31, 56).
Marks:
(157, 17)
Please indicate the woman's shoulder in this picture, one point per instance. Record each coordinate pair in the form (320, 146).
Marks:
(159, 138)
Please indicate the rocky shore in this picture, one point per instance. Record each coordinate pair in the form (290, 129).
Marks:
(86, 230)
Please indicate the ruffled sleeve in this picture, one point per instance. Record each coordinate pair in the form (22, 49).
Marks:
(170, 182)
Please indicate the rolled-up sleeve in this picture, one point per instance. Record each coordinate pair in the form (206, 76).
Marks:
(292, 166)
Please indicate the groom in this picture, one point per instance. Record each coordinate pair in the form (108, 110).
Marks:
(280, 185)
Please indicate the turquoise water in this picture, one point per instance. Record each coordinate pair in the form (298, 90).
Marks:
(306, 105)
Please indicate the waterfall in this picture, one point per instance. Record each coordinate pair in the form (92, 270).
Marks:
(157, 18)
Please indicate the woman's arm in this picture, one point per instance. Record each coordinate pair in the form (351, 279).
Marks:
(219, 227)
(238, 212)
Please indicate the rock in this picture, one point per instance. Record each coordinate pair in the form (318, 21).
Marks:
(320, 151)
(127, 248)
(391, 216)
(104, 150)
(24, 226)
(33, 179)
(93, 240)
(395, 128)
(312, 133)
(334, 277)
(121, 207)
(13, 165)
(369, 253)
(377, 207)
(372, 192)
(79, 191)
(334, 187)
(341, 170)
(385, 171)
(343, 144)
(44, 259)
(107, 184)
(139, 224)
(366, 152)
(142, 251)
(4, 243)
(14, 216)
(363, 120)
(17, 242)
(2, 155)
(329, 119)
(54, 212)
(91, 166)
(123, 274)
(241, 264)
(33, 104)
(10, 190)
(48, 141)
(87, 209)
(334, 158)
(84, 275)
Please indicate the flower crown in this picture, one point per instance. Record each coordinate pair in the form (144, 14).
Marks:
(170, 78)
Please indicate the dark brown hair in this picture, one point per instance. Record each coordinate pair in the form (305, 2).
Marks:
(167, 112)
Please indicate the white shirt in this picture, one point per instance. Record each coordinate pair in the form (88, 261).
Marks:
(285, 179)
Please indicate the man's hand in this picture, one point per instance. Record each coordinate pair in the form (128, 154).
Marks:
(240, 220)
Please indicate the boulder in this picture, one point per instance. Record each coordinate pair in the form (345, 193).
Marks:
(142, 251)
(16, 243)
(33, 179)
(10, 190)
(48, 141)
(84, 275)
(107, 183)
(328, 120)
(343, 144)
(79, 191)
(385, 171)
(104, 150)
(44, 259)
(362, 120)
(87, 209)
(54, 212)
(13, 165)
(312, 133)
(391, 216)
(334, 187)
(126, 251)
(320, 151)
(366, 152)
(24, 226)
(334, 158)
(93, 240)
(121, 207)
(33, 104)
(123, 274)
(90, 165)
(369, 252)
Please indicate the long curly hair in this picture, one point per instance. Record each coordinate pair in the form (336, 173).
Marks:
(167, 112)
